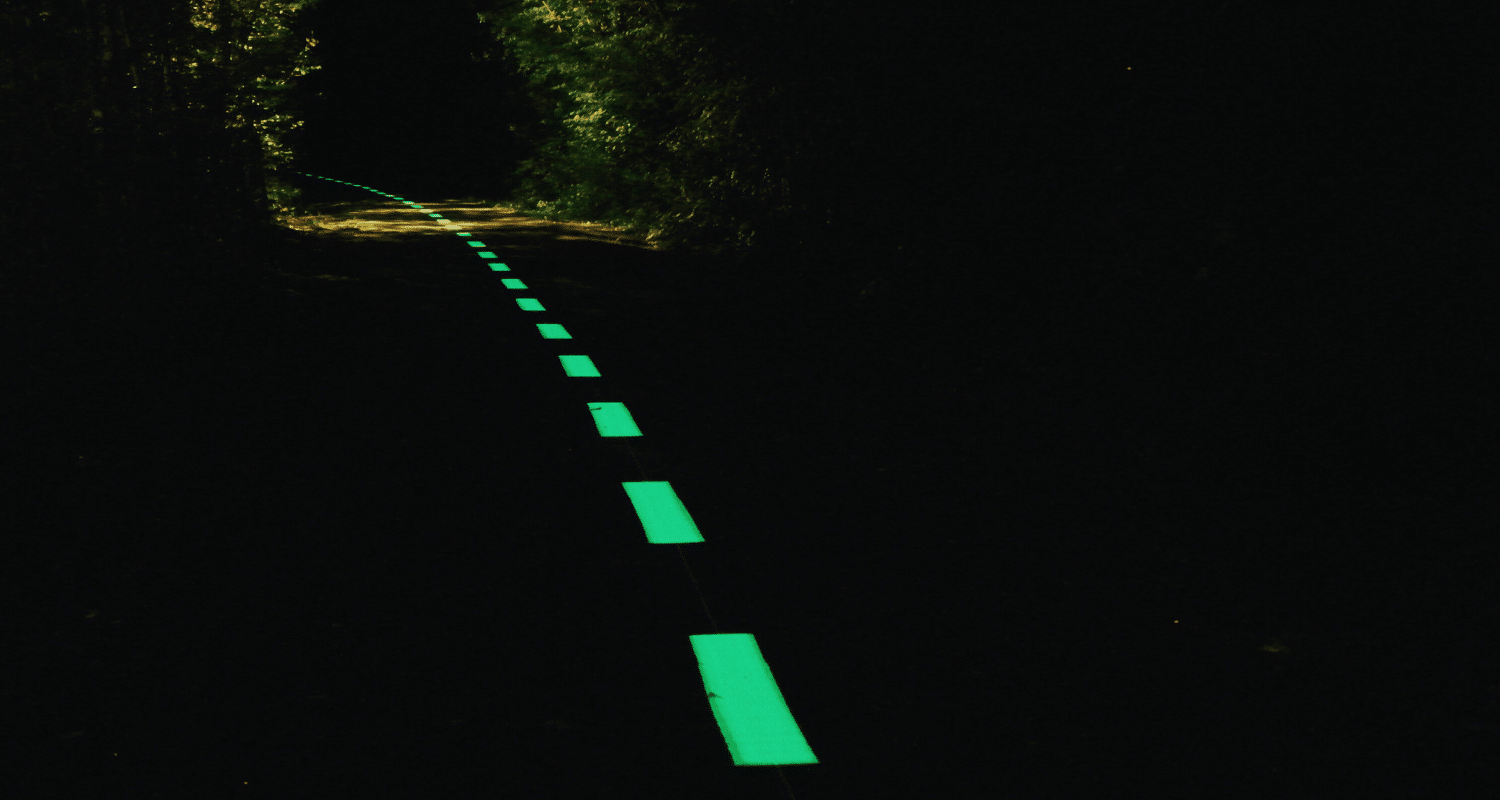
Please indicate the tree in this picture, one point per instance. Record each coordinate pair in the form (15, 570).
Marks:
(166, 116)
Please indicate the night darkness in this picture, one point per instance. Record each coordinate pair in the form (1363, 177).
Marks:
(1140, 441)
(403, 99)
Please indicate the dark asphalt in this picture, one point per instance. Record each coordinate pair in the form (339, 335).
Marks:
(363, 540)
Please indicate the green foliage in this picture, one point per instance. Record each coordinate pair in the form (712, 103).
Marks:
(147, 122)
(643, 124)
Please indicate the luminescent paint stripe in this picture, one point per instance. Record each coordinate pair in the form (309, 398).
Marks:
(663, 516)
(476, 244)
(752, 715)
(513, 283)
(613, 419)
(578, 366)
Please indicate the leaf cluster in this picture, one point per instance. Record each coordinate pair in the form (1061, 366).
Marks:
(146, 124)
(647, 121)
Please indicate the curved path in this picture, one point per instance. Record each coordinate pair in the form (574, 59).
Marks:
(377, 545)
(351, 530)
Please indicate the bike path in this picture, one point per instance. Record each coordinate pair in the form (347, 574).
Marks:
(436, 580)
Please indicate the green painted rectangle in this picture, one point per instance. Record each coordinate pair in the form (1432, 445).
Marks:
(487, 254)
(613, 419)
(513, 283)
(435, 215)
(661, 512)
(529, 304)
(578, 366)
(476, 244)
(551, 330)
(752, 715)
(497, 267)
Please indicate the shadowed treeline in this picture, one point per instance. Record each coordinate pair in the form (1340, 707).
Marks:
(1113, 386)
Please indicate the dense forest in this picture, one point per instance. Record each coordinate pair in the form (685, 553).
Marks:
(720, 126)
(950, 171)
(1218, 279)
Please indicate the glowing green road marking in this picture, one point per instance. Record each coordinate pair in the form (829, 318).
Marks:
(578, 366)
(513, 283)
(613, 419)
(753, 717)
(663, 516)
(752, 714)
